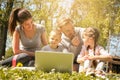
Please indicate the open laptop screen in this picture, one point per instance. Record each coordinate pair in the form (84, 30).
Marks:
(59, 61)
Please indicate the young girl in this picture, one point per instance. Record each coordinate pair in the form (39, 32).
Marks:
(92, 55)
(27, 37)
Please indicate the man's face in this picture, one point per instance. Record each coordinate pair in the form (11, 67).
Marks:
(68, 30)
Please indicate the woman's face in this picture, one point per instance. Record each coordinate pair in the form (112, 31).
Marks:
(28, 24)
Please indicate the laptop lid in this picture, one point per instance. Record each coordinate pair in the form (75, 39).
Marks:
(59, 61)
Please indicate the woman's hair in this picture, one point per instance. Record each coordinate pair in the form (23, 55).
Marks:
(91, 32)
(63, 20)
(18, 15)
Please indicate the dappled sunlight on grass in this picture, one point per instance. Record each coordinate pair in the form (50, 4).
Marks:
(20, 74)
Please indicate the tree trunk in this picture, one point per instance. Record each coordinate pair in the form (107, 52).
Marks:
(4, 26)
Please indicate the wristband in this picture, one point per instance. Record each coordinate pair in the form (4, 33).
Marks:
(14, 61)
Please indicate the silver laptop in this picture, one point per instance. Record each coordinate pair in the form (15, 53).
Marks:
(57, 61)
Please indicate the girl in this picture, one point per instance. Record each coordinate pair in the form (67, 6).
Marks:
(92, 54)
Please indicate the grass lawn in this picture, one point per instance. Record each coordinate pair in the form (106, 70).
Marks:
(26, 74)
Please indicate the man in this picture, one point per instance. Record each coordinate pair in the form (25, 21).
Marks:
(71, 38)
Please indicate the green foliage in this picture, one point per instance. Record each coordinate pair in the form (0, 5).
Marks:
(43, 10)
(9, 53)
(5, 9)
(103, 14)
(17, 74)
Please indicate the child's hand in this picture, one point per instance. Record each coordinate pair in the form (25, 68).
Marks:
(85, 43)
(86, 57)
(91, 57)
(75, 41)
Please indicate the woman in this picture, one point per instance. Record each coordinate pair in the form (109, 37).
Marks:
(27, 36)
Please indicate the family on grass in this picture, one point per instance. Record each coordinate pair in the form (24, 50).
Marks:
(29, 37)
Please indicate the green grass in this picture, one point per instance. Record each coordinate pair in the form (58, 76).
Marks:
(22, 74)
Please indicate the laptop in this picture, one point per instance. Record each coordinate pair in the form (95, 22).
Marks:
(58, 61)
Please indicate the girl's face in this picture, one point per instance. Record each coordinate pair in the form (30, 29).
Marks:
(28, 25)
(88, 40)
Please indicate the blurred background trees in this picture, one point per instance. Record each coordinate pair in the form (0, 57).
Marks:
(5, 9)
(103, 14)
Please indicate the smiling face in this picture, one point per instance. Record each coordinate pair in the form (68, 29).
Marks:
(54, 39)
(68, 30)
(65, 24)
(28, 25)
